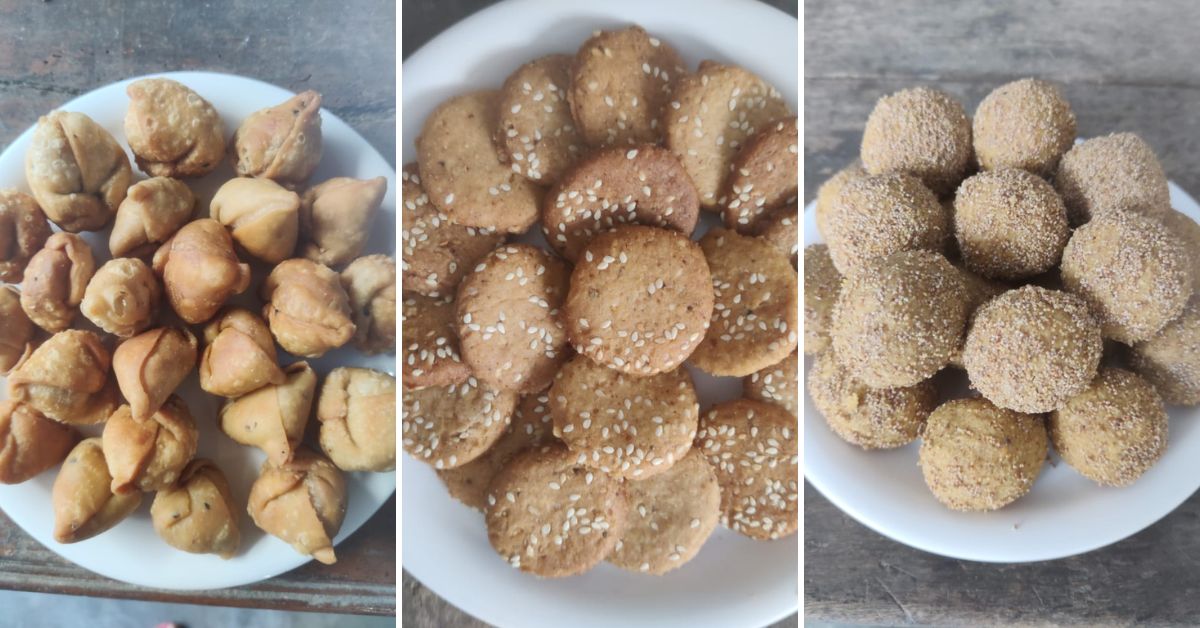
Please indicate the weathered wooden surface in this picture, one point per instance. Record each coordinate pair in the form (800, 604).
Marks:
(52, 51)
(1125, 66)
(422, 21)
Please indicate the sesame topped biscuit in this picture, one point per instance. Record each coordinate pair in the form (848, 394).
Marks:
(431, 356)
(712, 114)
(640, 299)
(644, 185)
(763, 177)
(777, 384)
(462, 171)
(622, 81)
(449, 426)
(437, 252)
(537, 133)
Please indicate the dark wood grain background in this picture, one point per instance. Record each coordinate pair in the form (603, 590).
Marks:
(51, 52)
(423, 20)
(1125, 66)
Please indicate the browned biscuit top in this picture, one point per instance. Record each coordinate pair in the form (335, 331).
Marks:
(449, 426)
(778, 384)
(780, 227)
(431, 355)
(537, 133)
(763, 177)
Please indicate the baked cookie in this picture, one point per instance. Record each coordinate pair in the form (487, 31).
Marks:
(640, 299)
(671, 515)
(509, 323)
(621, 83)
(780, 227)
(437, 252)
(537, 133)
(645, 185)
(753, 447)
(754, 318)
(777, 384)
(462, 172)
(712, 114)
(628, 426)
(530, 427)
(551, 516)
(762, 177)
(449, 426)
(431, 354)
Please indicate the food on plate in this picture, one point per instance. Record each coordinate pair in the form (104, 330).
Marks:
(302, 502)
(370, 285)
(536, 133)
(1025, 124)
(1031, 349)
(122, 297)
(337, 217)
(437, 252)
(76, 171)
(23, 232)
(822, 283)
(17, 333)
(1134, 274)
(240, 355)
(639, 300)
(198, 513)
(644, 184)
(431, 352)
(84, 504)
(200, 270)
(172, 131)
(1009, 224)
(621, 81)
(780, 227)
(549, 515)
(976, 456)
(762, 176)
(153, 210)
(628, 426)
(449, 426)
(29, 442)
(1188, 232)
(66, 378)
(1171, 358)
(531, 426)
(777, 384)
(273, 417)
(462, 171)
(900, 319)
(830, 191)
(282, 142)
(752, 445)
(1113, 431)
(670, 517)
(55, 281)
(261, 215)
(357, 412)
(509, 327)
(1112, 173)
(921, 132)
(150, 366)
(149, 454)
(874, 216)
(306, 308)
(872, 418)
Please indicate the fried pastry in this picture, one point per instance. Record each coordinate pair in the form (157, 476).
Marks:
(273, 417)
(357, 411)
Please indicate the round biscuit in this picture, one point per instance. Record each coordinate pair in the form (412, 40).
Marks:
(763, 177)
(536, 132)
(777, 384)
(449, 426)
(431, 354)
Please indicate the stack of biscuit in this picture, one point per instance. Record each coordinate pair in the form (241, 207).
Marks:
(548, 384)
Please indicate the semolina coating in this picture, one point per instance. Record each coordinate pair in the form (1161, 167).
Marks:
(1171, 359)
(978, 457)
(829, 191)
(1188, 231)
(1117, 172)
(1009, 224)
(1113, 431)
(875, 216)
(1133, 273)
(872, 418)
(822, 281)
(979, 291)
(1026, 124)
(922, 132)
(900, 319)
(1031, 349)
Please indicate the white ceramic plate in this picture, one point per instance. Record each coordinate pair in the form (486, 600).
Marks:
(132, 551)
(1063, 515)
(734, 581)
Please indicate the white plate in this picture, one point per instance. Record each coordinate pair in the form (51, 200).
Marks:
(734, 581)
(132, 551)
(1063, 515)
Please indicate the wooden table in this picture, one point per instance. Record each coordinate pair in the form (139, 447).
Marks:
(53, 51)
(1125, 66)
